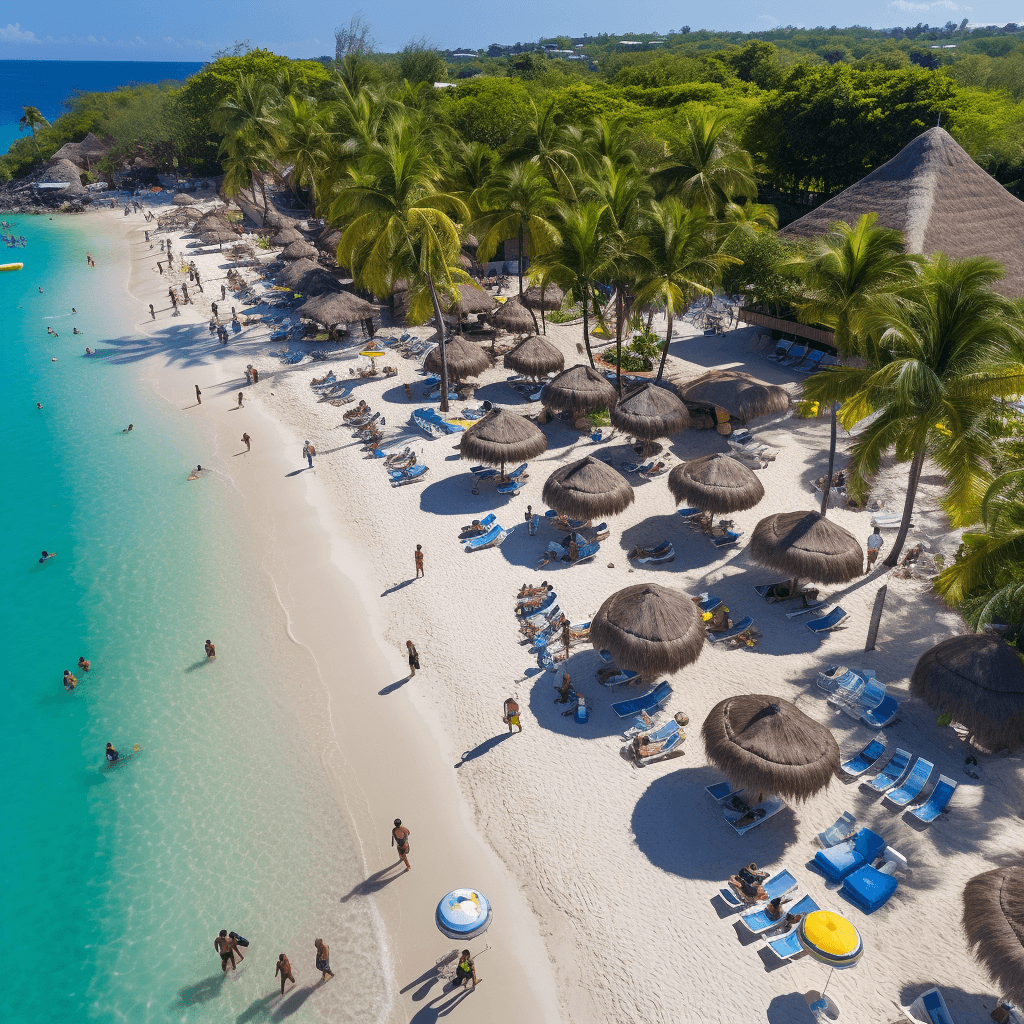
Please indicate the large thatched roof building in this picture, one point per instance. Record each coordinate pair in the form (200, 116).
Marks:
(941, 200)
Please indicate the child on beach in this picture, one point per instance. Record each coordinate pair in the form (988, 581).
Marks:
(400, 835)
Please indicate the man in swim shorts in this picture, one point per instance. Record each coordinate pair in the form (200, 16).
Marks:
(226, 947)
(323, 958)
(112, 754)
(211, 651)
(400, 836)
(284, 968)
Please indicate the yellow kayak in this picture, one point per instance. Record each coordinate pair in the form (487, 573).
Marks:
(11, 266)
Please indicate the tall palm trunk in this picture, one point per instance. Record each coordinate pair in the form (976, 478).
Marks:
(908, 507)
(543, 322)
(440, 337)
(831, 460)
(664, 351)
(618, 339)
(586, 335)
(521, 267)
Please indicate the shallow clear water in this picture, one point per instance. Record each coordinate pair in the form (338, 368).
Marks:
(225, 819)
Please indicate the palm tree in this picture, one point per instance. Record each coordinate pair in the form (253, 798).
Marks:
(705, 167)
(987, 579)
(246, 118)
(937, 357)
(552, 146)
(400, 225)
(841, 271)
(518, 201)
(684, 259)
(302, 130)
(607, 140)
(468, 167)
(582, 255)
(33, 119)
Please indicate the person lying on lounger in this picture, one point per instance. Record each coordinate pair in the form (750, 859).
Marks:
(718, 621)
(642, 747)
(527, 591)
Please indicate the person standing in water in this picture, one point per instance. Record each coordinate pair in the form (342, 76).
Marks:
(48, 555)
(323, 959)
(284, 968)
(211, 651)
(84, 664)
(400, 837)
(112, 754)
(225, 945)
(70, 682)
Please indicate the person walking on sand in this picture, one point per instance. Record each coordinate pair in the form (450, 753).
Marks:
(152, 312)
(566, 635)
(414, 657)
(240, 406)
(184, 292)
(419, 560)
(223, 292)
(211, 650)
(225, 945)
(323, 959)
(875, 543)
(309, 451)
(400, 836)
(531, 521)
(199, 396)
(247, 441)
(511, 710)
(284, 968)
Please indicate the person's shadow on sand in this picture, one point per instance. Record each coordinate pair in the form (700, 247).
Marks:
(391, 687)
(258, 1009)
(202, 991)
(482, 748)
(439, 1006)
(399, 586)
(377, 881)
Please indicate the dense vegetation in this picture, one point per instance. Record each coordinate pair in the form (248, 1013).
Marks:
(641, 180)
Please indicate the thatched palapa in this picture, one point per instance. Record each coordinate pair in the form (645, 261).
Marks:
(463, 357)
(514, 318)
(649, 629)
(336, 308)
(767, 745)
(579, 389)
(300, 250)
(218, 236)
(941, 200)
(534, 357)
(650, 411)
(181, 199)
(294, 272)
(328, 239)
(286, 236)
(994, 922)
(318, 282)
(741, 395)
(806, 545)
(473, 299)
(587, 489)
(978, 679)
(550, 297)
(715, 483)
(501, 437)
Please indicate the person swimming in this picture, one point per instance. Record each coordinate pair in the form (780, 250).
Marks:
(84, 664)
(194, 475)
(47, 555)
(128, 429)
(112, 754)
(70, 682)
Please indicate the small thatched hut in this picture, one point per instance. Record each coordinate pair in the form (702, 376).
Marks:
(463, 357)
(514, 318)
(806, 545)
(715, 483)
(587, 489)
(741, 395)
(650, 411)
(335, 308)
(534, 357)
(994, 922)
(579, 389)
(300, 250)
(502, 437)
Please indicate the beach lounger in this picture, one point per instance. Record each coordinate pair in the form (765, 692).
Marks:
(650, 472)
(777, 884)
(826, 623)
(880, 716)
(891, 773)
(860, 763)
(401, 477)
(621, 678)
(937, 802)
(786, 946)
(843, 830)
(481, 525)
(690, 513)
(813, 362)
(838, 679)
(672, 748)
(737, 629)
(727, 539)
(796, 356)
(868, 889)
(887, 520)
(495, 535)
(536, 604)
(839, 861)
(509, 487)
(775, 593)
(648, 701)
(781, 352)
(929, 1008)
(636, 467)
(756, 920)
(913, 785)
(664, 552)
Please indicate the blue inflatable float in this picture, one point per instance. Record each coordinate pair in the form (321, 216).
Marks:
(463, 914)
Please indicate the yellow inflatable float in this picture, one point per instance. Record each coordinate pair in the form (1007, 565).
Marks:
(11, 266)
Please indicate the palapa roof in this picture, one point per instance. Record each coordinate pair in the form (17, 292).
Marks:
(553, 297)
(286, 236)
(328, 239)
(586, 489)
(335, 308)
(217, 236)
(502, 436)
(62, 170)
(741, 395)
(715, 483)
(994, 922)
(579, 389)
(294, 272)
(765, 744)
(978, 679)
(300, 250)
(806, 545)
(650, 629)
(463, 357)
(216, 218)
(535, 357)
(473, 299)
(650, 411)
(941, 200)
(90, 148)
(514, 318)
(182, 199)
(317, 282)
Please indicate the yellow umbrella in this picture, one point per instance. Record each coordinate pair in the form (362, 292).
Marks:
(831, 939)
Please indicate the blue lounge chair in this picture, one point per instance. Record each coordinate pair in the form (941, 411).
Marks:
(508, 487)
(757, 920)
(673, 748)
(868, 888)
(915, 782)
(892, 772)
(842, 860)
(664, 552)
(689, 513)
(648, 701)
(860, 763)
(936, 803)
(708, 602)
(621, 678)
(727, 539)
(847, 682)
(482, 526)
(482, 473)
(824, 623)
(400, 477)
(518, 474)
(843, 829)
(880, 716)
(495, 535)
(930, 1006)
(786, 946)
(735, 630)
(545, 602)
(777, 885)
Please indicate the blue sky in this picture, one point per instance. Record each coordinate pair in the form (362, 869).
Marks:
(192, 30)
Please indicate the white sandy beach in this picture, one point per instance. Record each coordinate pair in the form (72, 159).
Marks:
(602, 876)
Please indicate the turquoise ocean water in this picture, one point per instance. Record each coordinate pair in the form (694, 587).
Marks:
(116, 882)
